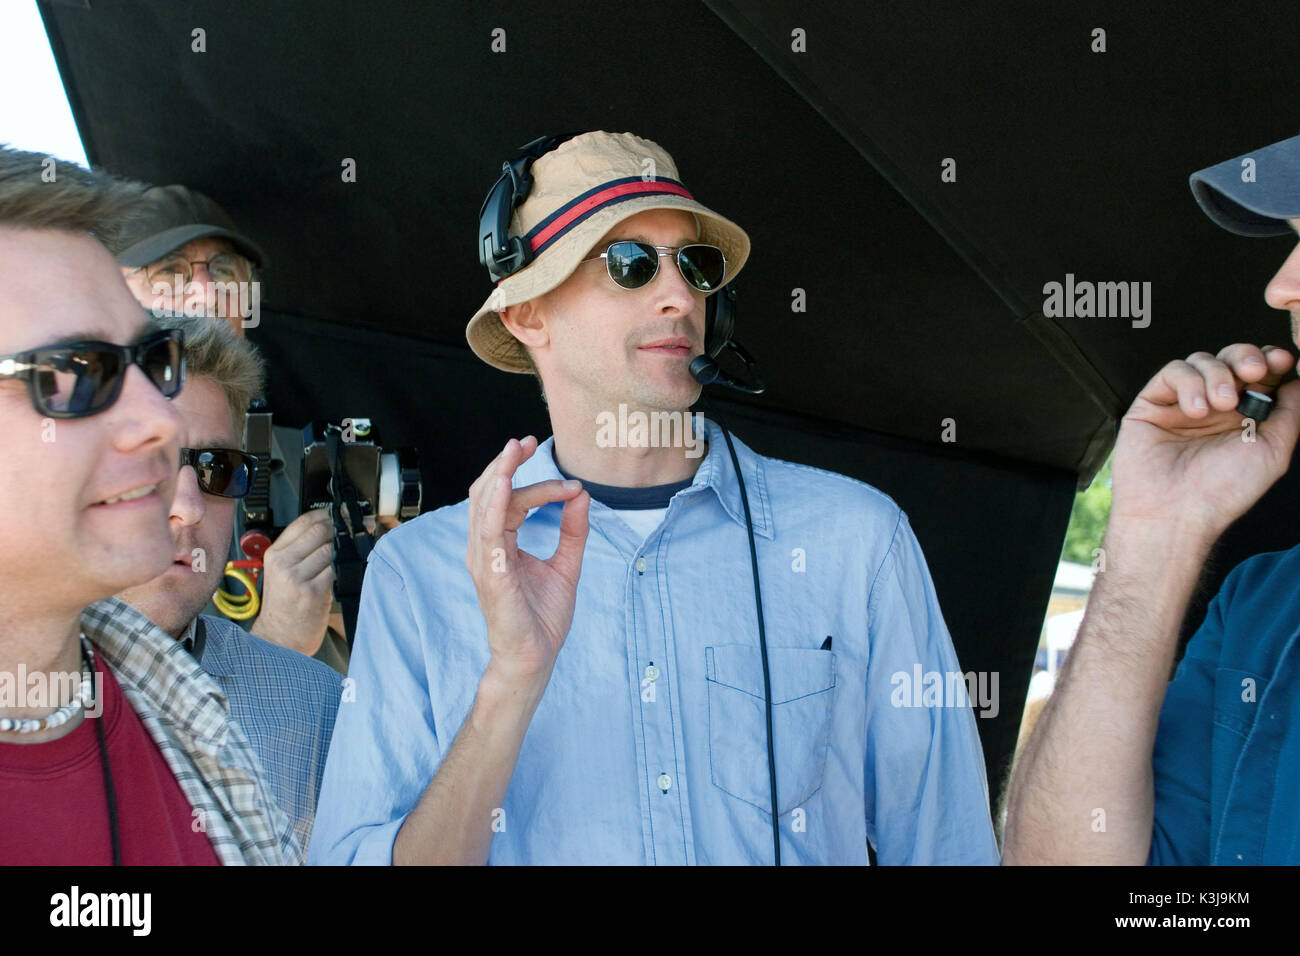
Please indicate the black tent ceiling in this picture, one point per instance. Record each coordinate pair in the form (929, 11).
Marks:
(924, 298)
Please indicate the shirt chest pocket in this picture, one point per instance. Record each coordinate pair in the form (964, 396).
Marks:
(1236, 697)
(803, 683)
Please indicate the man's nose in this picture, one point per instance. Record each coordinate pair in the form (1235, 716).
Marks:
(188, 506)
(200, 291)
(142, 417)
(670, 287)
(1283, 291)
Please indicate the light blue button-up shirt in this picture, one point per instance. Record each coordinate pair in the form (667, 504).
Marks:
(650, 745)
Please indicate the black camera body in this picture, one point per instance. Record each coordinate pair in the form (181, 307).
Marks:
(341, 467)
(387, 484)
(291, 481)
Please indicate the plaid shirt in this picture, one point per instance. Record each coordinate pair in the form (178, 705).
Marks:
(187, 716)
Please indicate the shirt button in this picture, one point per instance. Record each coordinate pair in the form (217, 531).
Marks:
(664, 782)
(652, 673)
(640, 565)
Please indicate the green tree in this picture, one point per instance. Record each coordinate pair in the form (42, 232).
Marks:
(1088, 519)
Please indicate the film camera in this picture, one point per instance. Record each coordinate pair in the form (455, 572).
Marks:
(340, 466)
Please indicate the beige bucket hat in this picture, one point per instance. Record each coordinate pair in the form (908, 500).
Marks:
(581, 190)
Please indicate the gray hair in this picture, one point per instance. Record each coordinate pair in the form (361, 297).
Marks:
(213, 350)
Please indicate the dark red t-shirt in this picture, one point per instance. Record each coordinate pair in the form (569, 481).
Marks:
(53, 807)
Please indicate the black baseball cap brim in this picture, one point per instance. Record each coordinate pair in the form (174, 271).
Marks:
(1260, 205)
(157, 246)
(167, 217)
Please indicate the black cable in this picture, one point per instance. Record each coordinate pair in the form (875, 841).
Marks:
(108, 771)
(762, 644)
(352, 547)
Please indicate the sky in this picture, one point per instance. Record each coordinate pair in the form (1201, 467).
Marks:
(34, 113)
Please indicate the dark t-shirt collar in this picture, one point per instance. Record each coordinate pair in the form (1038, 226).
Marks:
(630, 499)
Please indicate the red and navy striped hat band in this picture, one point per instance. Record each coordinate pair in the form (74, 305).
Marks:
(579, 209)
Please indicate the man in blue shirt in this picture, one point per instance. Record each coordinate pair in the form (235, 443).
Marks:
(607, 704)
(1109, 775)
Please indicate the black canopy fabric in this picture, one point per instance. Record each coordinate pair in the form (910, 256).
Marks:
(823, 127)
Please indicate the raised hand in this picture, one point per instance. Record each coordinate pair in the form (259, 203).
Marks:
(1183, 454)
(298, 584)
(527, 602)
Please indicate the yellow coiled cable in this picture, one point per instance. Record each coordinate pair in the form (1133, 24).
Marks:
(238, 607)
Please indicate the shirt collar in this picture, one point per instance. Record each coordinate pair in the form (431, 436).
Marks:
(716, 472)
(159, 667)
(217, 645)
(187, 639)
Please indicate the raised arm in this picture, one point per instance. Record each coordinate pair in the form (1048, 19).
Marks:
(1183, 471)
(528, 605)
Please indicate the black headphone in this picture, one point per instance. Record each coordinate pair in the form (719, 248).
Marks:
(503, 255)
(499, 252)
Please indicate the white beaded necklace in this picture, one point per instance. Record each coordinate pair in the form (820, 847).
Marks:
(80, 701)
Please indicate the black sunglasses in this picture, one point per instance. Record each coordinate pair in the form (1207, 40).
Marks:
(226, 472)
(633, 264)
(78, 379)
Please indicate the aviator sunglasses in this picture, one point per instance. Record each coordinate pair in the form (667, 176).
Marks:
(226, 472)
(632, 264)
(83, 378)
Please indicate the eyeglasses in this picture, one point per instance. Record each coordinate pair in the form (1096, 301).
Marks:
(633, 264)
(225, 267)
(79, 379)
(226, 472)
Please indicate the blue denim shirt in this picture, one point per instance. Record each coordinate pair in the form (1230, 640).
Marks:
(1227, 754)
(649, 745)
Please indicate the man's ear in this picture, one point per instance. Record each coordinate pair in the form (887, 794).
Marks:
(527, 322)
